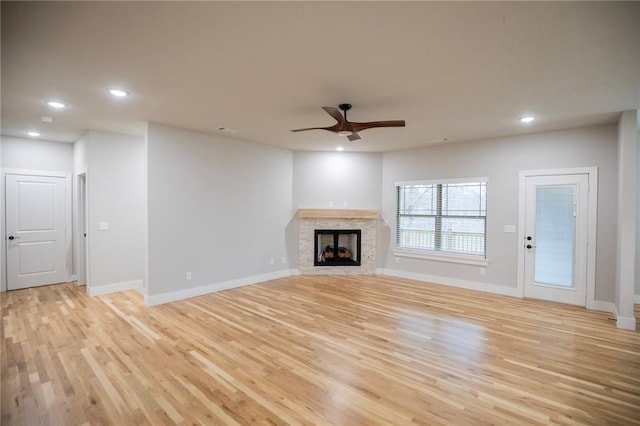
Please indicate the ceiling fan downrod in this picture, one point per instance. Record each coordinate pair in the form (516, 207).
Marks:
(345, 108)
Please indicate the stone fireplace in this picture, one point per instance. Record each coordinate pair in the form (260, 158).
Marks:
(337, 241)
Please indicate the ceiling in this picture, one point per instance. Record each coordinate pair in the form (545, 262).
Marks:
(454, 70)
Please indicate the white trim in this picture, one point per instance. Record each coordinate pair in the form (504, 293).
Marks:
(42, 173)
(567, 171)
(592, 213)
(114, 288)
(172, 296)
(601, 305)
(636, 299)
(442, 181)
(454, 282)
(80, 241)
(440, 256)
(598, 305)
(627, 323)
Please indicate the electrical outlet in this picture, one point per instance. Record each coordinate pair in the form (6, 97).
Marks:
(272, 261)
(483, 271)
(188, 276)
(284, 260)
(397, 259)
(344, 204)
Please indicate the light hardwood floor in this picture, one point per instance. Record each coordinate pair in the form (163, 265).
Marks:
(314, 350)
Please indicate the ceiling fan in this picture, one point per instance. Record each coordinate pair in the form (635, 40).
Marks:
(343, 127)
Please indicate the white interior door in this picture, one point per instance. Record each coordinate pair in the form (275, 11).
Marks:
(556, 237)
(35, 230)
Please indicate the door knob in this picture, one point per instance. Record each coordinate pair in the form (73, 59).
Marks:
(529, 238)
(11, 237)
(529, 246)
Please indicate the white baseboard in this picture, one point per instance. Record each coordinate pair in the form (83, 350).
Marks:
(159, 299)
(453, 282)
(113, 288)
(627, 323)
(601, 305)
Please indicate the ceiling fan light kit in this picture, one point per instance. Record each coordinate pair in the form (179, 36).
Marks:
(347, 128)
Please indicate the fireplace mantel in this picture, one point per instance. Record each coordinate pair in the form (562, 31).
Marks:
(337, 214)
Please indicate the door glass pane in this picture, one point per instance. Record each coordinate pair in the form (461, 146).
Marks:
(555, 234)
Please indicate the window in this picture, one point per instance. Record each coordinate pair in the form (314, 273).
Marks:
(447, 216)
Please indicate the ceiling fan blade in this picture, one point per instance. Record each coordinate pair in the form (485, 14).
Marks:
(331, 129)
(357, 127)
(347, 128)
(335, 113)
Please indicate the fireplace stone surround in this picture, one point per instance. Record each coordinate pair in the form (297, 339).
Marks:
(310, 220)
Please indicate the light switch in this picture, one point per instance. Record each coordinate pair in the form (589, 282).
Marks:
(509, 228)
(103, 226)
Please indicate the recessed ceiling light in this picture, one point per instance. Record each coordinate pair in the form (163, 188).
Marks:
(118, 93)
(339, 148)
(33, 133)
(527, 119)
(56, 104)
(46, 119)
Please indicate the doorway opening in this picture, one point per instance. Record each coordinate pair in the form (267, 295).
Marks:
(82, 269)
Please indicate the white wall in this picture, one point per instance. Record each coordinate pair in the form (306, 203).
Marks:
(330, 179)
(324, 180)
(637, 286)
(501, 160)
(3, 284)
(36, 154)
(627, 218)
(116, 194)
(33, 155)
(217, 208)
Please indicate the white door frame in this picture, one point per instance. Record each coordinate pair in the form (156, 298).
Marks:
(592, 220)
(67, 219)
(81, 241)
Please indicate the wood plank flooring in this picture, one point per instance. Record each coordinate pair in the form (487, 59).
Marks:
(330, 350)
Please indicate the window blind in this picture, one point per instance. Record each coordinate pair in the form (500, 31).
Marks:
(445, 217)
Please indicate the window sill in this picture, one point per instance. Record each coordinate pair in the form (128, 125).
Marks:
(441, 257)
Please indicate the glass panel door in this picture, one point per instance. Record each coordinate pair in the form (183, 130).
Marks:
(555, 238)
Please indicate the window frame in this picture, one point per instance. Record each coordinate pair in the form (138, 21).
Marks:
(438, 254)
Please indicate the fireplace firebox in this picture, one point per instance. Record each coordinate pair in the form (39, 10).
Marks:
(337, 247)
